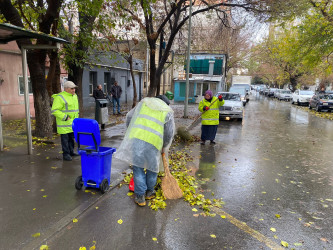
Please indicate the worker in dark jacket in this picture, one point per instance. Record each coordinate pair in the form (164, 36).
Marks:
(98, 94)
(116, 93)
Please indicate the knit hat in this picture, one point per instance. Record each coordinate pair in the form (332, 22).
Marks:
(209, 92)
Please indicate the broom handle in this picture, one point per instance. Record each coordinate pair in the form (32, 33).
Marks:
(166, 165)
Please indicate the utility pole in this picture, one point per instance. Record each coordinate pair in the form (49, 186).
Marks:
(188, 62)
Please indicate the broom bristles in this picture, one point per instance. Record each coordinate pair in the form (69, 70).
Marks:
(170, 188)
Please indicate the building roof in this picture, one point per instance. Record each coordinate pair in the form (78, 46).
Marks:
(9, 32)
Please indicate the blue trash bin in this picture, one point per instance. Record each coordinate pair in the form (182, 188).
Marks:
(95, 160)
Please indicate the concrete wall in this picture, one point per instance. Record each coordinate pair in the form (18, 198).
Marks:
(11, 102)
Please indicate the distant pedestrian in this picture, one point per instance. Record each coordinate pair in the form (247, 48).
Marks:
(209, 106)
(98, 94)
(322, 90)
(65, 108)
(116, 93)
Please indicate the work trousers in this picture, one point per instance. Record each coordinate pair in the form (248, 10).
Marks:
(67, 144)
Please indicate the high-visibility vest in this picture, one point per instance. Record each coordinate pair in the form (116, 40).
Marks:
(64, 105)
(149, 126)
(211, 116)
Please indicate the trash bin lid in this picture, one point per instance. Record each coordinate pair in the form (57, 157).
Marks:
(89, 126)
(169, 95)
(102, 101)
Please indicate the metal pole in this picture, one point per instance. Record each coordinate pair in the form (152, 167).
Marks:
(26, 99)
(147, 69)
(188, 62)
(1, 138)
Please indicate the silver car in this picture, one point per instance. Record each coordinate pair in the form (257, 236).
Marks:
(233, 106)
(285, 94)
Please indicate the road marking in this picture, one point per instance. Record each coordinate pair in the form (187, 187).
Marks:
(242, 225)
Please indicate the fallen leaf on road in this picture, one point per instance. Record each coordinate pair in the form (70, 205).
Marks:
(196, 215)
(44, 247)
(223, 216)
(34, 209)
(324, 239)
(277, 216)
(298, 244)
(120, 221)
(42, 190)
(130, 193)
(213, 236)
(284, 243)
(54, 167)
(194, 210)
(36, 235)
(273, 229)
(44, 196)
(329, 199)
(82, 248)
(92, 248)
(97, 207)
(154, 239)
(75, 220)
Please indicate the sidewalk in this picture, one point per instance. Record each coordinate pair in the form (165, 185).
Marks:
(38, 197)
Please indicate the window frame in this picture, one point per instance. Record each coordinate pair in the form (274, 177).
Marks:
(19, 85)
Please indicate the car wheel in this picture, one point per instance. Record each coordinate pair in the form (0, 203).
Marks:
(310, 106)
(292, 102)
(298, 103)
(317, 108)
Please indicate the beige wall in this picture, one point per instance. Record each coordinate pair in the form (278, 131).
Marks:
(11, 102)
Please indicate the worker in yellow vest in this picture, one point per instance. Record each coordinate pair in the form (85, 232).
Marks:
(65, 108)
(150, 132)
(209, 106)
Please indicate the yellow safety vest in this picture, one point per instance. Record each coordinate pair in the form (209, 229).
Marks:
(211, 116)
(65, 104)
(149, 126)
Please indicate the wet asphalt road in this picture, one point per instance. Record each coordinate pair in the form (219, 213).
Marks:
(278, 162)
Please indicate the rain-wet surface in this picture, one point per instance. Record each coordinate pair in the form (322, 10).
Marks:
(278, 161)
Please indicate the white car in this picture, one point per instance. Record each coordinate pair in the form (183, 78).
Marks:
(302, 97)
(285, 94)
(233, 106)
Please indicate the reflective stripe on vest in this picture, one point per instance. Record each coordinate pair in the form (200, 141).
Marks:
(149, 126)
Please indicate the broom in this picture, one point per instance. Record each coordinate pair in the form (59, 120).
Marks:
(184, 133)
(170, 187)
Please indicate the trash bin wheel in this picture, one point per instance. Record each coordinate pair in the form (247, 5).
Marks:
(78, 183)
(104, 186)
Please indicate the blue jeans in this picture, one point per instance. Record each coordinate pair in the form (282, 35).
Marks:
(114, 102)
(143, 181)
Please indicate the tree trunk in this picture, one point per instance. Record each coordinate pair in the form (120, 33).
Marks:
(76, 75)
(36, 61)
(130, 61)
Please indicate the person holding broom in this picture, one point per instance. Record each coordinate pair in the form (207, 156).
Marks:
(150, 130)
(209, 106)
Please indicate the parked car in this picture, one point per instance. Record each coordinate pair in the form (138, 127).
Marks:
(321, 102)
(271, 92)
(285, 94)
(233, 105)
(243, 93)
(277, 93)
(302, 96)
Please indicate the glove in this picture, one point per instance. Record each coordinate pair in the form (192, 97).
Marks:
(220, 98)
(205, 108)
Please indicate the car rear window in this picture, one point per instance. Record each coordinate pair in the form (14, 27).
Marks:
(304, 92)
